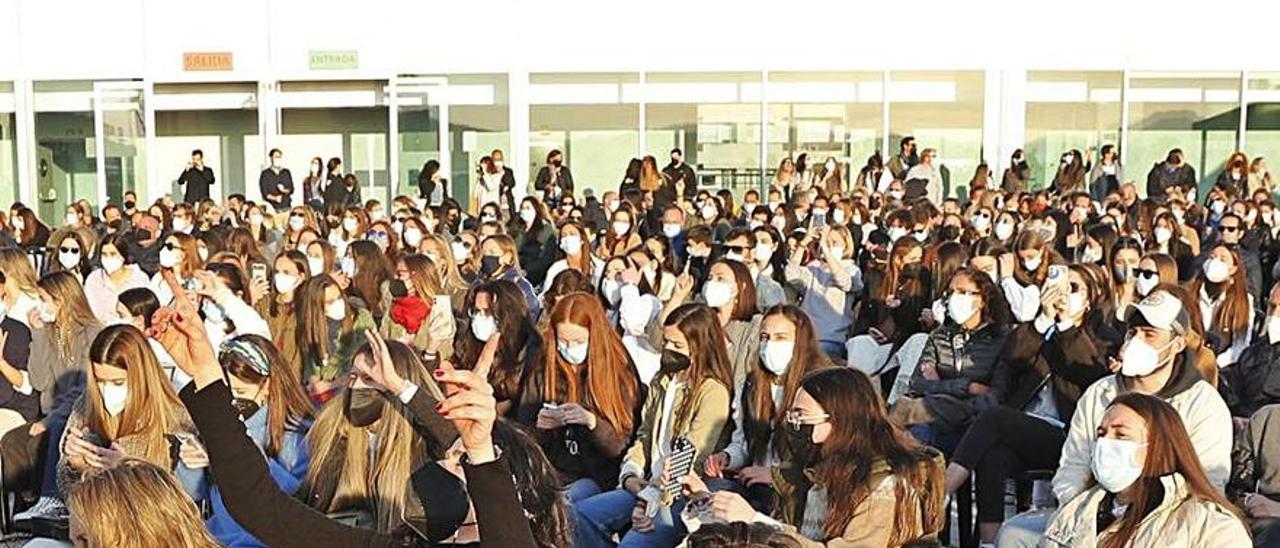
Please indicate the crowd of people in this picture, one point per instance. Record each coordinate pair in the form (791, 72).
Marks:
(832, 359)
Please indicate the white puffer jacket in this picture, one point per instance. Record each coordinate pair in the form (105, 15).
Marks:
(1177, 521)
(1203, 412)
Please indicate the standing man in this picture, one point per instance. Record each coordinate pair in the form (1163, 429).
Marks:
(1172, 172)
(554, 179)
(905, 160)
(508, 181)
(276, 183)
(197, 178)
(677, 170)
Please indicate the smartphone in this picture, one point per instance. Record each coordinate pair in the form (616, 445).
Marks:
(258, 271)
(1057, 276)
(819, 220)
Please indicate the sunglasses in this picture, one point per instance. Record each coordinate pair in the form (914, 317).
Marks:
(172, 247)
(736, 248)
(74, 250)
(1229, 228)
(376, 234)
(796, 419)
(1146, 273)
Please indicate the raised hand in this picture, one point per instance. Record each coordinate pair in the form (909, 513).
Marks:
(472, 408)
(179, 330)
(379, 371)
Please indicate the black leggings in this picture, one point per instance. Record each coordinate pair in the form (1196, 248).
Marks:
(1000, 442)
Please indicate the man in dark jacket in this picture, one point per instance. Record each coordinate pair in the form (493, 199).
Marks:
(276, 183)
(1173, 171)
(508, 180)
(197, 178)
(144, 246)
(677, 170)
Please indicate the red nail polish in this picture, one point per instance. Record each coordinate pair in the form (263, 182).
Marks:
(439, 373)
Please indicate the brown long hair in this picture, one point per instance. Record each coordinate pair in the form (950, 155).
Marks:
(893, 272)
(287, 405)
(423, 276)
(585, 255)
(74, 313)
(312, 328)
(1032, 239)
(371, 270)
(611, 386)
(708, 356)
(861, 434)
(806, 357)
(1231, 319)
(1169, 451)
(650, 177)
(744, 306)
(136, 504)
(151, 410)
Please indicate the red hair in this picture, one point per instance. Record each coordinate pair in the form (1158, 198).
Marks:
(611, 384)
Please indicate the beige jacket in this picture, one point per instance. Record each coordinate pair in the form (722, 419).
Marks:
(703, 424)
(1177, 522)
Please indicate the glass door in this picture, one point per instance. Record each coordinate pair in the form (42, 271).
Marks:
(417, 120)
(122, 122)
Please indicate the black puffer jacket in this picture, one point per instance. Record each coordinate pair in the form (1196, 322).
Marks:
(961, 358)
(1254, 380)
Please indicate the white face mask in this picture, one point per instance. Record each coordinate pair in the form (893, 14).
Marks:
(1273, 329)
(168, 258)
(1144, 284)
(979, 222)
(460, 252)
(72, 219)
(612, 291)
(1004, 231)
(1033, 263)
(763, 253)
(1076, 303)
(1163, 234)
(528, 215)
(1091, 255)
(921, 236)
(213, 312)
(112, 264)
(181, 225)
(838, 216)
(336, 310)
(483, 326)
(571, 245)
(412, 237)
(776, 355)
(68, 260)
(315, 266)
(717, 293)
(837, 252)
(620, 228)
(1114, 463)
(896, 232)
(962, 307)
(47, 313)
(780, 223)
(573, 353)
(896, 194)
(348, 266)
(203, 252)
(350, 224)
(297, 223)
(671, 230)
(377, 215)
(709, 211)
(1139, 359)
(113, 397)
(1216, 270)
(285, 282)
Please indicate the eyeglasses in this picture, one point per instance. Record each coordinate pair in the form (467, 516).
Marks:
(796, 418)
(74, 250)
(735, 248)
(1076, 287)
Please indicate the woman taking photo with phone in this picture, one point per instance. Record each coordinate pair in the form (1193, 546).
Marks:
(856, 478)
(582, 397)
(690, 399)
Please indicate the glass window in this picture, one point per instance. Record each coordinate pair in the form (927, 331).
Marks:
(218, 120)
(1196, 112)
(943, 111)
(714, 118)
(592, 118)
(479, 123)
(8, 147)
(66, 169)
(1069, 110)
(1262, 136)
(825, 114)
(346, 120)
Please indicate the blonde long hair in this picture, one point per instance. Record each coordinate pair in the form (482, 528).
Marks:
(452, 278)
(136, 504)
(18, 270)
(151, 410)
(74, 313)
(338, 446)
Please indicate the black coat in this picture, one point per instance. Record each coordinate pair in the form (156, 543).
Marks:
(197, 182)
(1069, 361)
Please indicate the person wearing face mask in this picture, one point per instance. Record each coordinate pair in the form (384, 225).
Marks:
(224, 303)
(828, 282)
(197, 179)
(1150, 490)
(432, 186)
(1107, 174)
(1023, 272)
(575, 253)
(419, 310)
(535, 238)
(1172, 172)
(690, 399)
(498, 330)
(1071, 173)
(1225, 304)
(730, 292)
(855, 477)
(276, 182)
(1126, 254)
(1166, 239)
(1231, 231)
(958, 374)
(897, 293)
(70, 252)
(499, 260)
(268, 398)
(1017, 177)
(1235, 174)
(741, 245)
(1006, 225)
(1154, 360)
(554, 179)
(680, 171)
(788, 351)
(582, 397)
(105, 284)
(1050, 362)
(180, 256)
(327, 333)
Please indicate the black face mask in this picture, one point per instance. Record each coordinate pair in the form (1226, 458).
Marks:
(912, 270)
(446, 496)
(489, 264)
(129, 205)
(804, 451)
(399, 289)
(673, 362)
(141, 235)
(556, 162)
(364, 406)
(949, 233)
(245, 407)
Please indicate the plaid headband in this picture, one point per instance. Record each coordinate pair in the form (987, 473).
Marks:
(248, 353)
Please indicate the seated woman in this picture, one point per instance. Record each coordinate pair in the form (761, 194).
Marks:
(500, 261)
(827, 284)
(897, 294)
(855, 478)
(268, 397)
(730, 291)
(327, 335)
(690, 398)
(1050, 361)
(1150, 490)
(958, 375)
(129, 409)
(419, 310)
(135, 503)
(104, 285)
(582, 396)
(499, 332)
(788, 351)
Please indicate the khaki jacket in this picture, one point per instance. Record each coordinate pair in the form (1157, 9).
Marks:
(1178, 521)
(709, 412)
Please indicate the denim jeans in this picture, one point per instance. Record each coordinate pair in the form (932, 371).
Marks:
(935, 437)
(598, 518)
(580, 489)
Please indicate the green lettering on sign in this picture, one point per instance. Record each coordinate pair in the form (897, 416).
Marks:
(334, 60)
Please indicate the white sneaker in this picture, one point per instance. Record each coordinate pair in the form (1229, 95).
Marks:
(44, 508)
